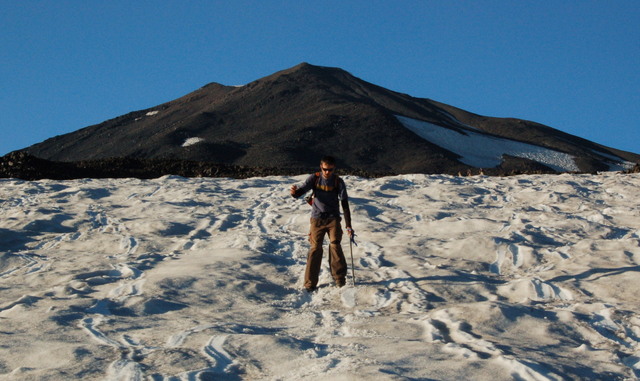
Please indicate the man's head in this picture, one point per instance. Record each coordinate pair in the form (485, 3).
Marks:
(327, 166)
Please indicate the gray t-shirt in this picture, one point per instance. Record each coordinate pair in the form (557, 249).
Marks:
(328, 193)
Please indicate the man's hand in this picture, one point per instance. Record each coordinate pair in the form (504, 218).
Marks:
(294, 188)
(351, 232)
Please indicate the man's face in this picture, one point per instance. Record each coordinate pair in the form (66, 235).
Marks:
(327, 170)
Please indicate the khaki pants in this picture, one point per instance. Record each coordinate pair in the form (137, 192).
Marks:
(337, 262)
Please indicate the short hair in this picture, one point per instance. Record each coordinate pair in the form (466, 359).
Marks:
(329, 160)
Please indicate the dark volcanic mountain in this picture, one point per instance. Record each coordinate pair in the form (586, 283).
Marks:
(292, 118)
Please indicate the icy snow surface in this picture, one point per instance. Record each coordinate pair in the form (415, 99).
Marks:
(520, 278)
(485, 151)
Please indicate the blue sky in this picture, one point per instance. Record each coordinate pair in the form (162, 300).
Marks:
(572, 65)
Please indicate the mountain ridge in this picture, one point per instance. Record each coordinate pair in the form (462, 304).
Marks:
(292, 117)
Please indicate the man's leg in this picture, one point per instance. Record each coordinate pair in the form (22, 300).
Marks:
(336, 255)
(314, 258)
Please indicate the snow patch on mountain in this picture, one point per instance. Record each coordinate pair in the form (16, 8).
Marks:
(617, 163)
(192, 141)
(485, 151)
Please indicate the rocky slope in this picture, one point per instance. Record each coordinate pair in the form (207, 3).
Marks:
(291, 118)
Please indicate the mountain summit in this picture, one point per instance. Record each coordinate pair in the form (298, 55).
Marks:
(293, 117)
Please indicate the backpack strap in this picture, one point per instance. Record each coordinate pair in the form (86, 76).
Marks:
(315, 186)
(335, 186)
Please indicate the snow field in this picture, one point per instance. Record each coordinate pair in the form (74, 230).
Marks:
(527, 278)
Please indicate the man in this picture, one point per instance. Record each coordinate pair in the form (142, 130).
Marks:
(328, 190)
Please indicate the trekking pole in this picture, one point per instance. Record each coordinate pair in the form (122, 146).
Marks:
(353, 270)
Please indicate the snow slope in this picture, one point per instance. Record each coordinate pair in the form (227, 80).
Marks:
(485, 151)
(520, 278)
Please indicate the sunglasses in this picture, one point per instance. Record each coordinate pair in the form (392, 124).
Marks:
(327, 169)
